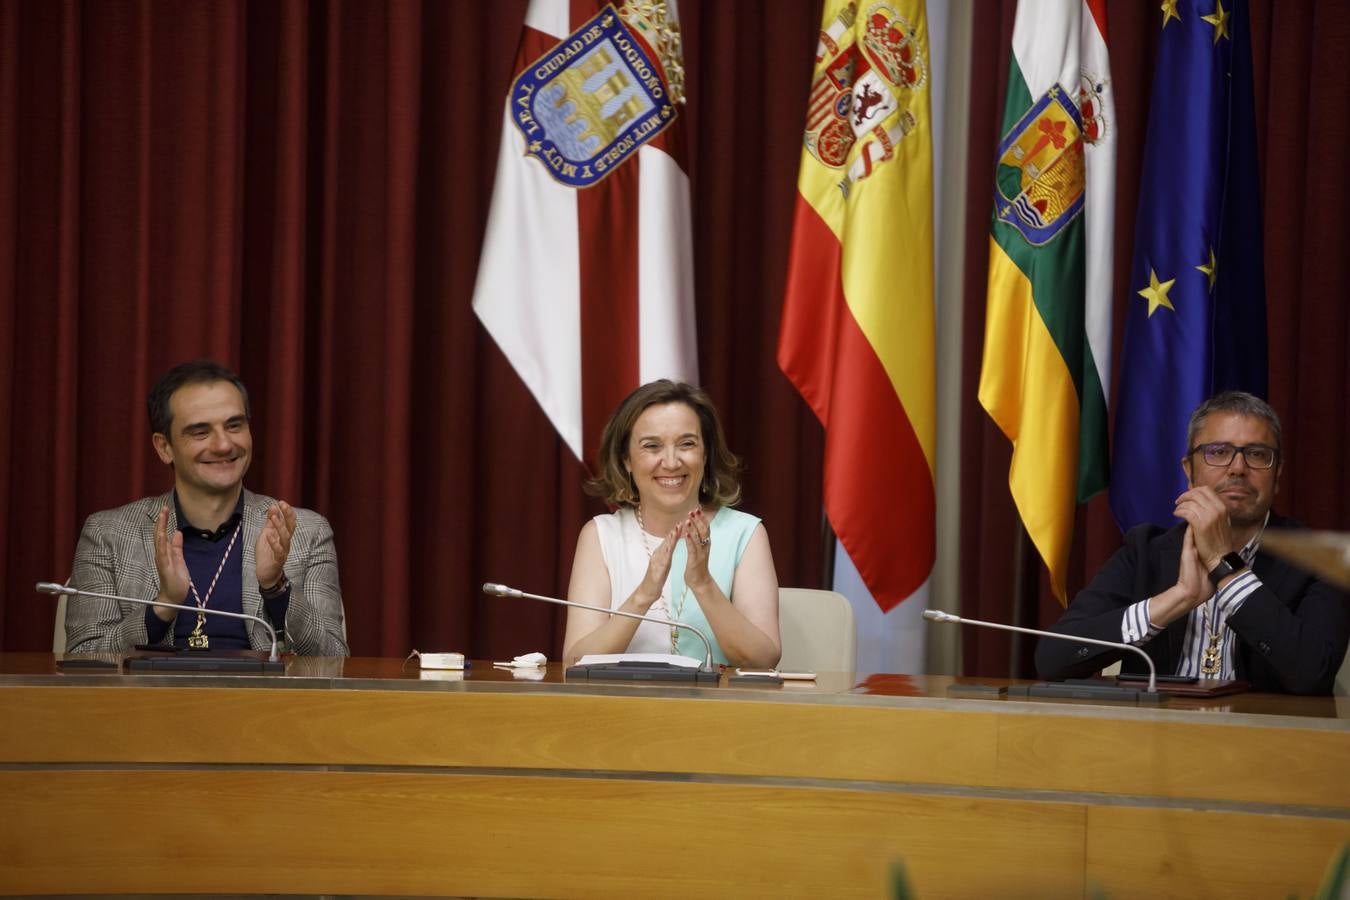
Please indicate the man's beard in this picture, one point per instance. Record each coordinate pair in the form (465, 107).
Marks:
(1252, 511)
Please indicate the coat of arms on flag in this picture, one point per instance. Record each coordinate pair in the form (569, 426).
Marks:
(598, 94)
(856, 338)
(1041, 175)
(1045, 375)
(859, 89)
(586, 281)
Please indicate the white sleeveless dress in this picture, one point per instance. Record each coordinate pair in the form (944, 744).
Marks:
(626, 549)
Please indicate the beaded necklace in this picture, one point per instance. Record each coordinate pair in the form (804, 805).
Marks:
(676, 609)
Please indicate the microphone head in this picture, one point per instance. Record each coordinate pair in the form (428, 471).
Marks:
(499, 590)
(937, 615)
(51, 587)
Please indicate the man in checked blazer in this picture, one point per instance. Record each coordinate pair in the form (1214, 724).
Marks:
(207, 543)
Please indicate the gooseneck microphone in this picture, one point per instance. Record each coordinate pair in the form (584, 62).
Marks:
(934, 615)
(501, 590)
(51, 587)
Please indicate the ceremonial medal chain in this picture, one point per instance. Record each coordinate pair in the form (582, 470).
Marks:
(197, 640)
(1211, 663)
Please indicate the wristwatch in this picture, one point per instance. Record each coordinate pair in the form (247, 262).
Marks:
(281, 587)
(1228, 564)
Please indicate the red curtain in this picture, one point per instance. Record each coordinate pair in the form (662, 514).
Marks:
(300, 189)
(1302, 116)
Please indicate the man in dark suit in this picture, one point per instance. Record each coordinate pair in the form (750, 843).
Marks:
(1201, 598)
(207, 543)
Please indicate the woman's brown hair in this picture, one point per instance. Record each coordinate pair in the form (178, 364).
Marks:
(721, 484)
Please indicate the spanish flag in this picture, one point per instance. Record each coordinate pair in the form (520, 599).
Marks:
(1047, 340)
(857, 330)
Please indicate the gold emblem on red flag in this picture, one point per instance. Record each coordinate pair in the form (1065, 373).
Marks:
(652, 20)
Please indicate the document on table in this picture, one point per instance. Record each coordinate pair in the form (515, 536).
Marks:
(610, 659)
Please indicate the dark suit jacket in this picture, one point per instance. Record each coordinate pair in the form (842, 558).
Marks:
(1292, 631)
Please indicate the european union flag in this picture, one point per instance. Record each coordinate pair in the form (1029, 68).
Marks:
(1195, 323)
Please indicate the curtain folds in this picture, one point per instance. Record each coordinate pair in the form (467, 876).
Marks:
(300, 189)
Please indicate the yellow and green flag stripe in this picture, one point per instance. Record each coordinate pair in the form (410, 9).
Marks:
(1047, 339)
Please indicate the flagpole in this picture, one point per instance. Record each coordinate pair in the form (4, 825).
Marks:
(1019, 597)
(828, 542)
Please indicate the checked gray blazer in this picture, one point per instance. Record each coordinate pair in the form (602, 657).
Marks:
(116, 555)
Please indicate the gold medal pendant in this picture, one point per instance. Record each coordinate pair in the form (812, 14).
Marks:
(676, 612)
(198, 640)
(1211, 661)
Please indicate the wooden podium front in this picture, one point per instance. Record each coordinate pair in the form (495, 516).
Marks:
(360, 777)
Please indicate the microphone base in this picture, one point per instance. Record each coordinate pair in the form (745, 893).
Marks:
(643, 672)
(199, 662)
(1087, 690)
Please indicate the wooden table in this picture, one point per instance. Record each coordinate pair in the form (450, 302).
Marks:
(362, 776)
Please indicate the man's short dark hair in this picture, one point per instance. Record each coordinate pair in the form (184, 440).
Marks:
(1238, 402)
(198, 371)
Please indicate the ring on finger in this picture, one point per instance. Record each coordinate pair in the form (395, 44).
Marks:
(706, 541)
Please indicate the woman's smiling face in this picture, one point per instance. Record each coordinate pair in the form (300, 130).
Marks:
(666, 457)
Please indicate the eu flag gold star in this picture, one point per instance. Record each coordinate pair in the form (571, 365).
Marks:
(1169, 11)
(1211, 271)
(1219, 19)
(1156, 292)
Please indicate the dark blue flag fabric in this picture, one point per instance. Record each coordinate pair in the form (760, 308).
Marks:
(1195, 321)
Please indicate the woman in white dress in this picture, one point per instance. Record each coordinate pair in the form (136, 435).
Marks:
(674, 547)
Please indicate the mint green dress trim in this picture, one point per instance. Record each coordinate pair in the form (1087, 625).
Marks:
(730, 531)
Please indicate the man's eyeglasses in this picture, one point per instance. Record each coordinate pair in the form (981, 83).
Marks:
(1258, 456)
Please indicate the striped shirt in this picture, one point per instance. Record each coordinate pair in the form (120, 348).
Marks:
(1137, 629)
